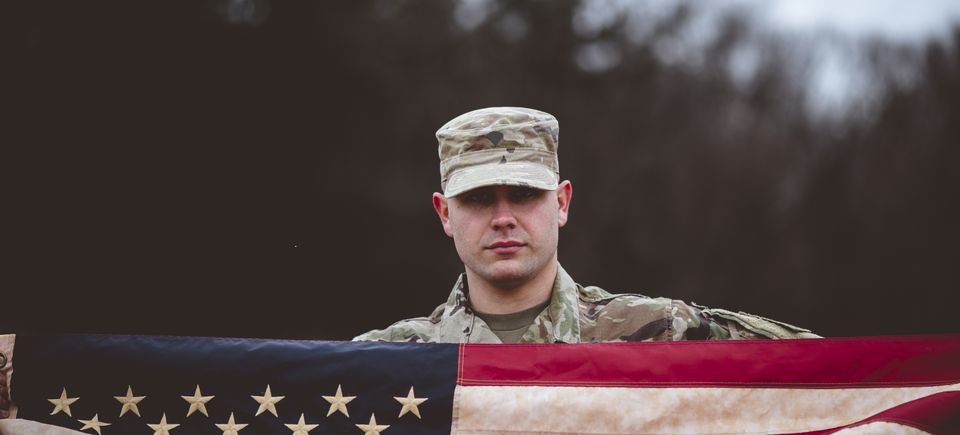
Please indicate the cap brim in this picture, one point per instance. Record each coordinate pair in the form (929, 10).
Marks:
(524, 174)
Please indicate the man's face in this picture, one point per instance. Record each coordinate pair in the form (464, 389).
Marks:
(505, 235)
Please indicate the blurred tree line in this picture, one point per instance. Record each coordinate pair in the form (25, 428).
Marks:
(264, 168)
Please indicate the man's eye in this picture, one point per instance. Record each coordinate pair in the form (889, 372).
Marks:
(478, 197)
(524, 194)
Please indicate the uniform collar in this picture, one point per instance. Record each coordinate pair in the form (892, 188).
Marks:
(560, 322)
(562, 317)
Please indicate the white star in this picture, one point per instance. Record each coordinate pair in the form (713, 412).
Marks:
(93, 423)
(162, 428)
(129, 402)
(338, 402)
(197, 401)
(410, 403)
(230, 428)
(267, 402)
(372, 428)
(300, 428)
(63, 403)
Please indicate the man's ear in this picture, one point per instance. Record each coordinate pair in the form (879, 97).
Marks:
(440, 205)
(564, 196)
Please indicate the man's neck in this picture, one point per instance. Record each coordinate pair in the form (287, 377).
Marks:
(487, 298)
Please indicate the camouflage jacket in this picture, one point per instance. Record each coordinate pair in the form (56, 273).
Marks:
(578, 314)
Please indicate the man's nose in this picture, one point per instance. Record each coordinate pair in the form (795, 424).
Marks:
(503, 217)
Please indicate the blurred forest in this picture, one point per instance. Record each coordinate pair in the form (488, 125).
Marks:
(264, 168)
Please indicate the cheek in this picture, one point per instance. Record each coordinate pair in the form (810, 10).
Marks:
(542, 224)
(464, 227)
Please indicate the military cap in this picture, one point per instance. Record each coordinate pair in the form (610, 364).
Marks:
(511, 146)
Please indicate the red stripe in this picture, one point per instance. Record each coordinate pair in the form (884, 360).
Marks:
(936, 414)
(806, 363)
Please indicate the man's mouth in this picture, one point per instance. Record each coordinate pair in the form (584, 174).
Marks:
(506, 246)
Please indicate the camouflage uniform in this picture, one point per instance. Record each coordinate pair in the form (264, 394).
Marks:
(579, 314)
(517, 146)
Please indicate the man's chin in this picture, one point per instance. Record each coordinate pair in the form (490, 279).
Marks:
(508, 275)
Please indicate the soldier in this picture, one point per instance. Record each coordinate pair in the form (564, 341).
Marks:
(503, 204)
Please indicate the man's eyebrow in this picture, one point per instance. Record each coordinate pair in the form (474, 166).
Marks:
(525, 189)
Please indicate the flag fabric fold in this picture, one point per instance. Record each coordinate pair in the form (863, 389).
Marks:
(107, 384)
(754, 386)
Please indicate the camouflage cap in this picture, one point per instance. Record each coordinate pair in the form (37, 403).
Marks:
(512, 146)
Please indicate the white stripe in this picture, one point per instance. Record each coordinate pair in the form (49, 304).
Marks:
(595, 410)
(28, 427)
(883, 427)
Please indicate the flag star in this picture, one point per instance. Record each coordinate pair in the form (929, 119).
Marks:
(410, 403)
(230, 428)
(338, 402)
(300, 428)
(129, 402)
(372, 428)
(63, 403)
(197, 402)
(162, 428)
(94, 423)
(267, 402)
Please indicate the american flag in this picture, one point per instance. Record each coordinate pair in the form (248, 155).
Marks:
(188, 385)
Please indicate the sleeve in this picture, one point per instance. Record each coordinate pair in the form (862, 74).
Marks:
(415, 330)
(411, 330)
(695, 322)
(4, 397)
(6, 367)
(389, 334)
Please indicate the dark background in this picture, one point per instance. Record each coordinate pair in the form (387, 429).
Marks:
(264, 168)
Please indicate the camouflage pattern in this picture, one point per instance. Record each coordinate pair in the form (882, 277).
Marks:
(511, 146)
(578, 314)
(518, 146)
(4, 398)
